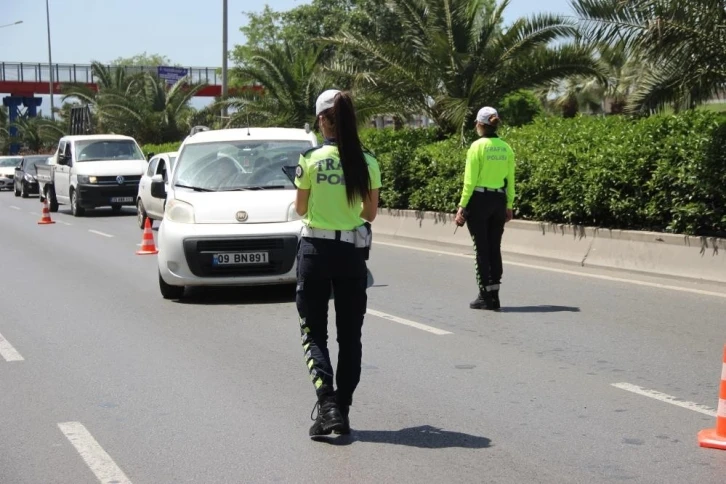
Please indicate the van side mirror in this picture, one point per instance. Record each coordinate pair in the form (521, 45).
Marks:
(158, 188)
(62, 159)
(149, 155)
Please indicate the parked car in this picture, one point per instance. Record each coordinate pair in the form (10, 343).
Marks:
(230, 216)
(7, 171)
(89, 171)
(26, 175)
(146, 205)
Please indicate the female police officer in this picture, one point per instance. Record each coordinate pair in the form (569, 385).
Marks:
(337, 193)
(486, 204)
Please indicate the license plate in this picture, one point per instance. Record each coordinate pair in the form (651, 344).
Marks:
(233, 258)
(122, 199)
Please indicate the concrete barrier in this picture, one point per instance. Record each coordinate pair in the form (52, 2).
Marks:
(693, 257)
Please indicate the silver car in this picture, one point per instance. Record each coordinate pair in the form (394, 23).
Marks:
(7, 171)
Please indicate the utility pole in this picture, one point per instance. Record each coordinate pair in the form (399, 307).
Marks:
(224, 57)
(50, 61)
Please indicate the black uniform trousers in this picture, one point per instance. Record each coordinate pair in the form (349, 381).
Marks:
(485, 221)
(324, 265)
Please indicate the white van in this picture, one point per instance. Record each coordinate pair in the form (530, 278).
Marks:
(230, 217)
(92, 171)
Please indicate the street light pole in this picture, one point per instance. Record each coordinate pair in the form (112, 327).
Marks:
(50, 61)
(14, 23)
(224, 58)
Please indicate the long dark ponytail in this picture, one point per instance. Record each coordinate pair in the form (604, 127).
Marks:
(352, 159)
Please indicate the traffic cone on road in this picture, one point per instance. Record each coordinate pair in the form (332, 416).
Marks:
(147, 242)
(716, 438)
(45, 218)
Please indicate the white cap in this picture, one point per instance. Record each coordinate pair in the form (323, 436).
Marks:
(325, 101)
(485, 113)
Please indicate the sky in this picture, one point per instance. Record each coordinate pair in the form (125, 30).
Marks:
(183, 30)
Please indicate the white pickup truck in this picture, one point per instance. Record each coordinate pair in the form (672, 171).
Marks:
(89, 171)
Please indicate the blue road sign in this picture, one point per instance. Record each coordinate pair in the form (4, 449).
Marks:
(172, 74)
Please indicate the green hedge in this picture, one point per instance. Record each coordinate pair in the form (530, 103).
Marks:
(162, 148)
(395, 151)
(662, 173)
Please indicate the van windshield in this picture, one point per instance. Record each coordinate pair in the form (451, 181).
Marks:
(238, 165)
(108, 150)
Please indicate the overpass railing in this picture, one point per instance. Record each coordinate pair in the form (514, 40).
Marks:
(83, 73)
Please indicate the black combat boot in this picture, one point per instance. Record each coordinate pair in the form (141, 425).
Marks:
(484, 301)
(345, 428)
(496, 305)
(329, 418)
(344, 406)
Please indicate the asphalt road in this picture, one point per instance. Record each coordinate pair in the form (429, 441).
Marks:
(101, 380)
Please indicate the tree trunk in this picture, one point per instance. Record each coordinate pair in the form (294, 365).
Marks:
(570, 108)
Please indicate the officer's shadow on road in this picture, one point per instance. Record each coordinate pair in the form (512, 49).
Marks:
(248, 295)
(544, 308)
(424, 436)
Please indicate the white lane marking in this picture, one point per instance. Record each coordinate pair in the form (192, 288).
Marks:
(35, 213)
(100, 233)
(62, 222)
(572, 273)
(93, 454)
(8, 352)
(14, 207)
(407, 322)
(696, 407)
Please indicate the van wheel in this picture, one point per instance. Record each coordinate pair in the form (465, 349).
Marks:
(168, 291)
(76, 209)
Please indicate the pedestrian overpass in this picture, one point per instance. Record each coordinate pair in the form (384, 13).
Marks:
(23, 82)
(27, 79)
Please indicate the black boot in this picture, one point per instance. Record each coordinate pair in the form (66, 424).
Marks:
(329, 418)
(496, 305)
(484, 301)
(345, 428)
(344, 406)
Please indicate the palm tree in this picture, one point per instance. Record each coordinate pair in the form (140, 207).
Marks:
(684, 44)
(574, 95)
(38, 134)
(138, 104)
(162, 110)
(4, 131)
(291, 78)
(452, 57)
(623, 68)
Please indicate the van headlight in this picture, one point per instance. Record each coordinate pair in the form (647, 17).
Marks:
(180, 212)
(292, 214)
(85, 179)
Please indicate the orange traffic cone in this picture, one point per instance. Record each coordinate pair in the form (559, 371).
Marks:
(45, 218)
(716, 438)
(147, 242)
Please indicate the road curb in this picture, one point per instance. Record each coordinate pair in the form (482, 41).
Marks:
(693, 257)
